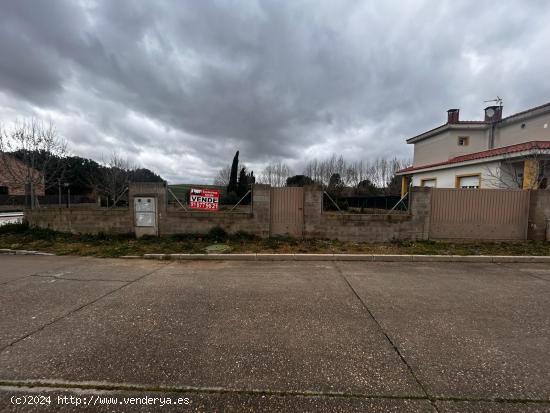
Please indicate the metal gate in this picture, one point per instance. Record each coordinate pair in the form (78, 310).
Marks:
(495, 214)
(287, 211)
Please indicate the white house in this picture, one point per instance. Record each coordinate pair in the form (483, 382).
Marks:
(497, 152)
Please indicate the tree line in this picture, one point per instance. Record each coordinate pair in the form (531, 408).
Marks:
(47, 163)
(334, 174)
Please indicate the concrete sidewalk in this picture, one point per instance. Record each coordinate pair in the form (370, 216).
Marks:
(277, 336)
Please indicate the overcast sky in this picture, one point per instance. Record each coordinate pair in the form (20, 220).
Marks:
(180, 86)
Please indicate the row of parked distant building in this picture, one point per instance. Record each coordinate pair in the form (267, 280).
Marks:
(497, 152)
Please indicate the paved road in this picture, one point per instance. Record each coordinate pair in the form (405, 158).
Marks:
(280, 336)
(11, 217)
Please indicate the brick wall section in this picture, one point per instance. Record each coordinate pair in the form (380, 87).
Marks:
(367, 228)
(82, 220)
(539, 215)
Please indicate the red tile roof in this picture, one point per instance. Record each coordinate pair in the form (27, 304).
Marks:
(520, 147)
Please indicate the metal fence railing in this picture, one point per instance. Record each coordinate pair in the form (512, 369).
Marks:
(364, 204)
(23, 200)
(178, 198)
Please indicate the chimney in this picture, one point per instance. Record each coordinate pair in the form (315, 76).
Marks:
(493, 113)
(452, 115)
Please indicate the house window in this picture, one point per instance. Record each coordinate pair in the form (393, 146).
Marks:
(463, 140)
(4, 190)
(429, 182)
(468, 181)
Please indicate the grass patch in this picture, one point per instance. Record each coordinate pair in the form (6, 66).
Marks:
(21, 236)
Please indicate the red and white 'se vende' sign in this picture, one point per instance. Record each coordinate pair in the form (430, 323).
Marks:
(204, 199)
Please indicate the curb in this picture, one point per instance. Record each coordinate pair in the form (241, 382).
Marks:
(350, 257)
(7, 251)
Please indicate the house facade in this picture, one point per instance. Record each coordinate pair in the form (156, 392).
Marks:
(497, 152)
(14, 174)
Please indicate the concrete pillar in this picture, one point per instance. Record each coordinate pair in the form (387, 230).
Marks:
(530, 173)
(421, 210)
(261, 208)
(313, 210)
(405, 181)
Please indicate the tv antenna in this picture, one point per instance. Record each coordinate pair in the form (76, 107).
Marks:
(498, 101)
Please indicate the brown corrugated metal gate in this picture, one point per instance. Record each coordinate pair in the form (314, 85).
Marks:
(495, 214)
(287, 211)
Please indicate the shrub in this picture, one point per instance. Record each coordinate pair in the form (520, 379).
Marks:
(243, 236)
(217, 234)
(183, 237)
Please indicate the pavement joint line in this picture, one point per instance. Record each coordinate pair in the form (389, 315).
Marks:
(388, 338)
(55, 385)
(32, 275)
(75, 279)
(55, 320)
(37, 274)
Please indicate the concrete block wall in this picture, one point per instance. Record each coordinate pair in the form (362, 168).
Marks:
(82, 220)
(188, 222)
(367, 228)
(196, 222)
(346, 227)
(414, 225)
(539, 215)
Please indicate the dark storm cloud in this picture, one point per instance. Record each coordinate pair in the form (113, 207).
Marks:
(179, 86)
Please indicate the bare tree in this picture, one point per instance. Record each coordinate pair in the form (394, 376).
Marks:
(509, 173)
(275, 174)
(114, 178)
(222, 177)
(321, 171)
(30, 151)
(379, 171)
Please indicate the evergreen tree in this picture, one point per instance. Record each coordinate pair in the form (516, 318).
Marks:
(242, 187)
(367, 188)
(299, 180)
(233, 185)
